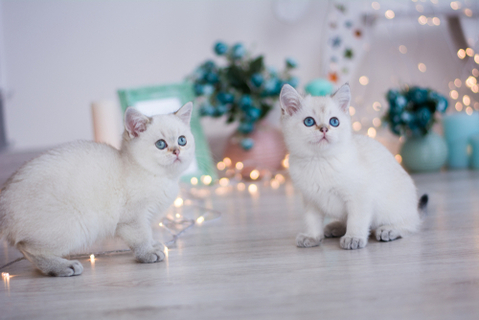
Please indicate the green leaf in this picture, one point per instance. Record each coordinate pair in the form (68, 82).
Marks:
(256, 65)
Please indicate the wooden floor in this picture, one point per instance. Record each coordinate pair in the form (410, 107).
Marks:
(244, 265)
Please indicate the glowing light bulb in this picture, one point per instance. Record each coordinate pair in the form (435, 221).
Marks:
(357, 126)
(389, 14)
(375, 5)
(274, 184)
(166, 251)
(254, 174)
(221, 165)
(161, 224)
(206, 180)
(377, 122)
(376, 106)
(285, 161)
(352, 111)
(227, 161)
(177, 215)
(458, 106)
(461, 53)
(200, 220)
(178, 202)
(422, 20)
(92, 257)
(422, 67)
(241, 186)
(194, 181)
(239, 165)
(469, 111)
(372, 132)
(224, 182)
(469, 52)
(253, 188)
(398, 158)
(453, 94)
(279, 177)
(436, 21)
(363, 80)
(466, 100)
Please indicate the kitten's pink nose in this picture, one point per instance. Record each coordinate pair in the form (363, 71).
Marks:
(323, 129)
(176, 152)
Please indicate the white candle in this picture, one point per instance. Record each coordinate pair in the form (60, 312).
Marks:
(107, 122)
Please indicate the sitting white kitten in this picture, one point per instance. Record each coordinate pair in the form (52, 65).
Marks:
(71, 196)
(348, 177)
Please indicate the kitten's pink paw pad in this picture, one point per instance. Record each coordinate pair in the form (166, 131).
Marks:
(351, 243)
(387, 234)
(305, 241)
(335, 229)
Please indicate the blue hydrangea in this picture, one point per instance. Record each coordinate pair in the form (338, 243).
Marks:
(245, 101)
(238, 51)
(291, 63)
(220, 48)
(220, 110)
(246, 127)
(207, 110)
(257, 79)
(442, 104)
(417, 95)
(225, 97)
(211, 77)
(423, 116)
(253, 113)
(247, 143)
(293, 81)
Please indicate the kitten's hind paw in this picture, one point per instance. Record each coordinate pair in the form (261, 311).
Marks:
(305, 241)
(335, 229)
(387, 233)
(351, 243)
(150, 257)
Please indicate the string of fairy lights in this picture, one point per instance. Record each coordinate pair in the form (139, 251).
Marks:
(239, 177)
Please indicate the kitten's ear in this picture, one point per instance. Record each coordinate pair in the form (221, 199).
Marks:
(290, 100)
(343, 96)
(185, 113)
(135, 122)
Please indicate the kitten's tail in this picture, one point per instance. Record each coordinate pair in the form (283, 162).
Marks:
(423, 203)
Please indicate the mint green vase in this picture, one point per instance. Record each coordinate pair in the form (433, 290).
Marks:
(426, 153)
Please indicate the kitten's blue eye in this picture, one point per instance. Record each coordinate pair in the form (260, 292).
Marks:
(161, 144)
(308, 122)
(334, 121)
(182, 141)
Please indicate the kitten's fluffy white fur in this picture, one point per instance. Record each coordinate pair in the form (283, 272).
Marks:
(78, 193)
(348, 177)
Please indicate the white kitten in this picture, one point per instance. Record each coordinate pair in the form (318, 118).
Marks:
(71, 196)
(348, 177)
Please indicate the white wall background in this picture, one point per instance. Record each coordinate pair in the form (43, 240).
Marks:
(59, 56)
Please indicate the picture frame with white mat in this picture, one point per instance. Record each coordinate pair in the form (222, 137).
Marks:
(165, 99)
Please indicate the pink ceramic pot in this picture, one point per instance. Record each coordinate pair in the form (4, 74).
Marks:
(267, 153)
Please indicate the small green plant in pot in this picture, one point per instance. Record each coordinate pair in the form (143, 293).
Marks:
(412, 113)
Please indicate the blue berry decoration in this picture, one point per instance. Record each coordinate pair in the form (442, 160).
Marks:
(238, 51)
(257, 80)
(220, 48)
(247, 143)
(411, 110)
(291, 63)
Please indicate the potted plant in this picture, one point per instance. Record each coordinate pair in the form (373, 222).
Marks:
(243, 90)
(412, 113)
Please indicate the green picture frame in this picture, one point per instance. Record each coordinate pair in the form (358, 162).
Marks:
(182, 93)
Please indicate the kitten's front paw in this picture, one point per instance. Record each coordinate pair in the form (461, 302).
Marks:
(306, 241)
(387, 233)
(350, 243)
(335, 229)
(150, 257)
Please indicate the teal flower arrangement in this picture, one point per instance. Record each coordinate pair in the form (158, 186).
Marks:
(243, 89)
(411, 110)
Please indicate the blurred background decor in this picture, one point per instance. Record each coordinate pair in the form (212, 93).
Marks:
(242, 89)
(459, 129)
(412, 113)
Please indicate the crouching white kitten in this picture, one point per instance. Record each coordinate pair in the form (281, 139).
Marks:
(348, 177)
(71, 196)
